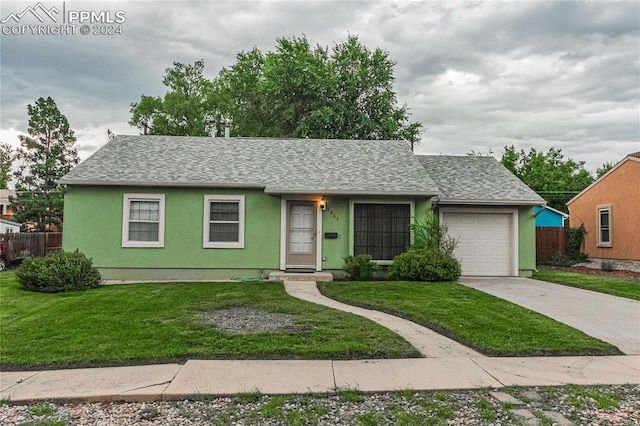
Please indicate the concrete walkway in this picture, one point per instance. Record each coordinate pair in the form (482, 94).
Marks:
(448, 367)
(615, 320)
(427, 342)
(198, 378)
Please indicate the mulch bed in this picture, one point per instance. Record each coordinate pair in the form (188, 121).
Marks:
(589, 271)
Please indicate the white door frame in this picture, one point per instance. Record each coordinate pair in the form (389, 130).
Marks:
(515, 238)
(283, 229)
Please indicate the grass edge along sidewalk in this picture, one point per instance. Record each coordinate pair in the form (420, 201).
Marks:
(490, 325)
(609, 285)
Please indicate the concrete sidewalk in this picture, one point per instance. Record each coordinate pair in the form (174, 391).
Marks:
(199, 378)
(615, 320)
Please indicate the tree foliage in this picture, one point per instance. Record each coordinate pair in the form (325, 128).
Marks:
(300, 91)
(6, 160)
(294, 91)
(555, 178)
(45, 155)
(600, 171)
(185, 110)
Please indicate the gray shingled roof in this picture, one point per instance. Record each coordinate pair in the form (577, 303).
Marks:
(326, 166)
(476, 180)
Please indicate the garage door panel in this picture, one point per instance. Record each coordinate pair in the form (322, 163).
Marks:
(484, 268)
(467, 236)
(485, 241)
(488, 220)
(466, 251)
(485, 235)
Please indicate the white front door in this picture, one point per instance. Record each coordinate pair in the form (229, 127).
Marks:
(301, 230)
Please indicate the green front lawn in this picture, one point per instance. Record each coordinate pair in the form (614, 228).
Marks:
(148, 323)
(608, 285)
(490, 325)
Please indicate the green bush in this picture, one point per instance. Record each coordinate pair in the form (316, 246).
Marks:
(58, 271)
(424, 265)
(429, 233)
(360, 267)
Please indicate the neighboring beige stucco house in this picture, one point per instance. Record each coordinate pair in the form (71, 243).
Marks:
(609, 209)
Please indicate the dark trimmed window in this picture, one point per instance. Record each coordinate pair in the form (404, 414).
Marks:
(381, 230)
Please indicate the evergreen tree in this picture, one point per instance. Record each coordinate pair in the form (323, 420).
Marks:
(45, 155)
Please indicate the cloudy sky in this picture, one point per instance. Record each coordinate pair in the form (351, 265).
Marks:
(478, 75)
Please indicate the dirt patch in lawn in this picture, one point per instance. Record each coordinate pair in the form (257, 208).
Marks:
(625, 275)
(250, 321)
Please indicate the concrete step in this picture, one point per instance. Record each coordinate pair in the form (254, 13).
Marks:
(300, 276)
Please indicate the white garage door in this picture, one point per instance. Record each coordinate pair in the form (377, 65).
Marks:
(486, 242)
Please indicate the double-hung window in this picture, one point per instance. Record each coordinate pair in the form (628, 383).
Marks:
(143, 220)
(604, 226)
(223, 221)
(381, 230)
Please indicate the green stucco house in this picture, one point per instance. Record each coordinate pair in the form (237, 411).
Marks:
(198, 208)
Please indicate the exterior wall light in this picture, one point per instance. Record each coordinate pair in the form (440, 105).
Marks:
(323, 204)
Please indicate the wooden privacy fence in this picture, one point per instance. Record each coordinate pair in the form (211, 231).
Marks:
(17, 246)
(550, 242)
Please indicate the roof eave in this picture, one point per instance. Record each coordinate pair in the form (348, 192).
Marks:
(160, 184)
(274, 191)
(451, 201)
(564, 215)
(271, 191)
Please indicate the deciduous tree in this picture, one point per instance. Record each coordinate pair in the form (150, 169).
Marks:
(555, 178)
(45, 155)
(294, 91)
(185, 110)
(300, 91)
(600, 171)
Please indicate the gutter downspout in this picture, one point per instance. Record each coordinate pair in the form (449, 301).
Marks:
(434, 205)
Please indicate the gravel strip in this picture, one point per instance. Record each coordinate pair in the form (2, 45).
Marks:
(581, 405)
(617, 266)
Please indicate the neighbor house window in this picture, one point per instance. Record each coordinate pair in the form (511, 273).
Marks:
(223, 221)
(381, 230)
(143, 220)
(604, 226)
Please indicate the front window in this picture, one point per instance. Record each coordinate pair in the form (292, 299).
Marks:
(604, 226)
(381, 230)
(223, 221)
(143, 220)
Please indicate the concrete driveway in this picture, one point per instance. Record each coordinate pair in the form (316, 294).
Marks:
(615, 320)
